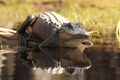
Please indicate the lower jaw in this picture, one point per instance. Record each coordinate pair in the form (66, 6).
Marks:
(71, 44)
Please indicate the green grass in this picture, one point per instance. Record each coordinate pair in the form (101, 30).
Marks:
(13, 13)
(97, 15)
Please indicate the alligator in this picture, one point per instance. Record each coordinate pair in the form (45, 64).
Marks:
(50, 28)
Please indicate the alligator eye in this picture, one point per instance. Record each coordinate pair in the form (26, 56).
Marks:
(70, 27)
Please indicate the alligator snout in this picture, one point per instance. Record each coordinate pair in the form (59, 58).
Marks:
(85, 35)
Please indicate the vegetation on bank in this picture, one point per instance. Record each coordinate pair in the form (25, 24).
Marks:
(96, 15)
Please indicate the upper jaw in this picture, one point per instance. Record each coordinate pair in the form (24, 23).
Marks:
(85, 35)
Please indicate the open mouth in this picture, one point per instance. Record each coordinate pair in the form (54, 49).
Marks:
(76, 70)
(87, 43)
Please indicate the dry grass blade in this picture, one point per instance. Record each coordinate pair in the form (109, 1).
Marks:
(118, 32)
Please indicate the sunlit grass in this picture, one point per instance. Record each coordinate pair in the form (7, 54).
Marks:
(15, 12)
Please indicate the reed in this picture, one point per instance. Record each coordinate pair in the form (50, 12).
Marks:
(1, 45)
(118, 32)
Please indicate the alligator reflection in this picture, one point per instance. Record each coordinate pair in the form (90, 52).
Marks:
(105, 64)
(7, 64)
(56, 60)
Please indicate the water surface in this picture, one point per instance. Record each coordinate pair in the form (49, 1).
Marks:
(96, 63)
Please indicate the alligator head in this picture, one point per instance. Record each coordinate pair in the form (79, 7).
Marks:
(73, 34)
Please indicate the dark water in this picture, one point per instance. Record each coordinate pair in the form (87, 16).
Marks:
(96, 63)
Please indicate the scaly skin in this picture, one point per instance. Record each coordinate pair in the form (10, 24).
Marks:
(52, 28)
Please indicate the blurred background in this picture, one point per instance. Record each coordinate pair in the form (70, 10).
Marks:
(100, 16)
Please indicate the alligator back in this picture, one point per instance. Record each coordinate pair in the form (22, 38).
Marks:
(46, 23)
